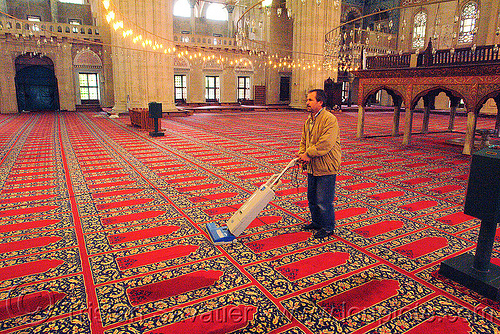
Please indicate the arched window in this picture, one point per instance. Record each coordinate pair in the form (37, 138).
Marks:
(217, 11)
(468, 23)
(182, 8)
(419, 25)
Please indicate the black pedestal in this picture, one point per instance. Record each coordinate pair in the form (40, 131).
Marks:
(155, 133)
(483, 202)
(460, 269)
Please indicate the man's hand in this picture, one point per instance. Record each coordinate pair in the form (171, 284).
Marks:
(303, 158)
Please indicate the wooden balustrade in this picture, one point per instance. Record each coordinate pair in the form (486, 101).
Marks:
(438, 58)
(388, 61)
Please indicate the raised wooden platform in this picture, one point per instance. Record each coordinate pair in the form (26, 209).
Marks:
(233, 108)
(140, 117)
(88, 107)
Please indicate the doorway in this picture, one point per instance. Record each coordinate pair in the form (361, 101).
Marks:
(284, 89)
(36, 84)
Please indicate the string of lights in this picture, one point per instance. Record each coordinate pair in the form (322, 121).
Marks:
(267, 54)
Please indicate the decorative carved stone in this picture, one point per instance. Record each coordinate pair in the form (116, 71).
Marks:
(244, 66)
(181, 63)
(212, 65)
(87, 58)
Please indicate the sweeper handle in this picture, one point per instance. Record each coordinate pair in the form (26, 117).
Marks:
(248, 211)
(292, 163)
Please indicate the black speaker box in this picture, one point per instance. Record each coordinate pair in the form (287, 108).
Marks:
(483, 191)
(155, 110)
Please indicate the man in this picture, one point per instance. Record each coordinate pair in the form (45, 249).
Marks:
(320, 151)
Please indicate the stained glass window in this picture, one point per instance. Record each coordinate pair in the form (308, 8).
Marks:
(468, 22)
(419, 25)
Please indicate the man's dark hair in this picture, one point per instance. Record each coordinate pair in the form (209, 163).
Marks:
(320, 95)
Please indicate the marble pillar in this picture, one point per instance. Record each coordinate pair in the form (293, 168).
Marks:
(8, 100)
(3, 6)
(54, 13)
(497, 122)
(140, 73)
(230, 21)
(63, 68)
(192, 19)
(310, 24)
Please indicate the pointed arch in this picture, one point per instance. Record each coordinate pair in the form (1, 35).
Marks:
(396, 95)
(435, 90)
(350, 14)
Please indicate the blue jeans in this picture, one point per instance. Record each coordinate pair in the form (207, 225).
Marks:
(320, 195)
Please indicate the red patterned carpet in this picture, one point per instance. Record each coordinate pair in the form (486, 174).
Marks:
(103, 229)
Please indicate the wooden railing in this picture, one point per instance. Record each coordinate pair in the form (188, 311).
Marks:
(480, 54)
(433, 58)
(388, 61)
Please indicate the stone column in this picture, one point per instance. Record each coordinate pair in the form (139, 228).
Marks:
(310, 24)
(230, 21)
(54, 13)
(8, 100)
(469, 135)
(3, 6)
(63, 68)
(361, 122)
(98, 15)
(192, 20)
(408, 126)
(144, 74)
(276, 27)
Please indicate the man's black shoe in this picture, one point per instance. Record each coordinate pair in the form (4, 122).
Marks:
(310, 226)
(322, 234)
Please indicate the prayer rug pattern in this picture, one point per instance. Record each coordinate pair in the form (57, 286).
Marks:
(103, 229)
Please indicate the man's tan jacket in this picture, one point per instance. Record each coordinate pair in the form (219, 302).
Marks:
(321, 141)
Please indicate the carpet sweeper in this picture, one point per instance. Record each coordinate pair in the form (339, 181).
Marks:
(248, 211)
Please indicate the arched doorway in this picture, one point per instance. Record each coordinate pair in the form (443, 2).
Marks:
(36, 84)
